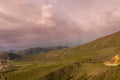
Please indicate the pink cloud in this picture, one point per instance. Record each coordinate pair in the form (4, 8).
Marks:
(72, 22)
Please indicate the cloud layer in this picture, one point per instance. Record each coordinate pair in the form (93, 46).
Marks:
(30, 23)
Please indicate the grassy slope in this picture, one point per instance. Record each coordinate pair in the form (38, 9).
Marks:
(46, 65)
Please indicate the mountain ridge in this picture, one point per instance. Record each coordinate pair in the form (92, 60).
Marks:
(38, 50)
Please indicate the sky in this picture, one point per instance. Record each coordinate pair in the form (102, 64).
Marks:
(45, 23)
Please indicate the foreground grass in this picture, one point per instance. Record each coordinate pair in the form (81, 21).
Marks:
(30, 71)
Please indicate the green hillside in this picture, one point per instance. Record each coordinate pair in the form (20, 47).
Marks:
(83, 62)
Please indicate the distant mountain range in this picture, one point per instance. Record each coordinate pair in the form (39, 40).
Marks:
(8, 56)
(13, 54)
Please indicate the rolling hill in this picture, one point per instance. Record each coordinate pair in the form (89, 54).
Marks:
(83, 62)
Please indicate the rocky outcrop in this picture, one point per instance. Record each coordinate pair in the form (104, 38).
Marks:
(115, 61)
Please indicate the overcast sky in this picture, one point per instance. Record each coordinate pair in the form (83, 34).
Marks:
(32, 23)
